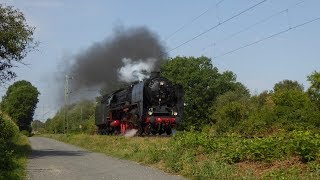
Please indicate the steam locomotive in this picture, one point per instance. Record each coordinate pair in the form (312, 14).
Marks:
(153, 106)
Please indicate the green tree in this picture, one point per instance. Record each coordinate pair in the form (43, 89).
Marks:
(230, 109)
(287, 85)
(79, 115)
(314, 89)
(55, 125)
(261, 99)
(16, 40)
(20, 102)
(80, 118)
(202, 84)
(37, 126)
(294, 108)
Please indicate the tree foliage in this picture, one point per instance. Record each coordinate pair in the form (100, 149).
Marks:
(20, 102)
(37, 126)
(9, 133)
(202, 83)
(287, 108)
(8, 129)
(294, 107)
(16, 40)
(80, 118)
(314, 89)
(287, 85)
(230, 109)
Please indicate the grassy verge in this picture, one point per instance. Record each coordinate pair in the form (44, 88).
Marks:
(140, 149)
(16, 154)
(201, 156)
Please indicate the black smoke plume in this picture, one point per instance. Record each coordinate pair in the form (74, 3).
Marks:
(99, 65)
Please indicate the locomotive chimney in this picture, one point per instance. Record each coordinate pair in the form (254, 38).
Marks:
(155, 74)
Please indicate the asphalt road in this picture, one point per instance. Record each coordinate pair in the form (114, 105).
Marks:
(51, 159)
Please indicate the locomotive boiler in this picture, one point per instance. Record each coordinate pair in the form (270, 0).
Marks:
(153, 106)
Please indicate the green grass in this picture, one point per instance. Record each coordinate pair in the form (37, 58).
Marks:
(200, 156)
(18, 153)
(144, 150)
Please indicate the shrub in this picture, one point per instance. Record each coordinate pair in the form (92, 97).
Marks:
(294, 106)
(267, 114)
(9, 133)
(8, 129)
(26, 133)
(306, 144)
(268, 149)
(230, 109)
(90, 127)
(6, 156)
(233, 149)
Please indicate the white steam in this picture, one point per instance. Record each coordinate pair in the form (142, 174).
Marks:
(130, 133)
(136, 70)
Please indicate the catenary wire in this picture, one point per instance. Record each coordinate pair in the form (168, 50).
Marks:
(268, 37)
(219, 24)
(219, 2)
(253, 25)
(191, 21)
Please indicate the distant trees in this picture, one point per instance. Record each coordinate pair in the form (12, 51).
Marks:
(287, 108)
(16, 40)
(20, 102)
(287, 85)
(294, 107)
(80, 118)
(230, 109)
(37, 126)
(314, 89)
(202, 83)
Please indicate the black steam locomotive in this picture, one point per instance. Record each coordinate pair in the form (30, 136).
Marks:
(153, 106)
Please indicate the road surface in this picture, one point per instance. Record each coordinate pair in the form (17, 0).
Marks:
(51, 159)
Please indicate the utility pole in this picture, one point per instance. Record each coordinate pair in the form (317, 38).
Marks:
(66, 93)
(43, 112)
(81, 114)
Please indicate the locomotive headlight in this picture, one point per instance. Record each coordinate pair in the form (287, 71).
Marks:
(161, 83)
(175, 113)
(150, 112)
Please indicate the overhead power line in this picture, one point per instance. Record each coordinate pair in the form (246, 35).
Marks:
(219, 24)
(220, 2)
(253, 25)
(217, 10)
(268, 37)
(186, 24)
(192, 20)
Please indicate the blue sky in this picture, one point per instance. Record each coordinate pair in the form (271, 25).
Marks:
(65, 28)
